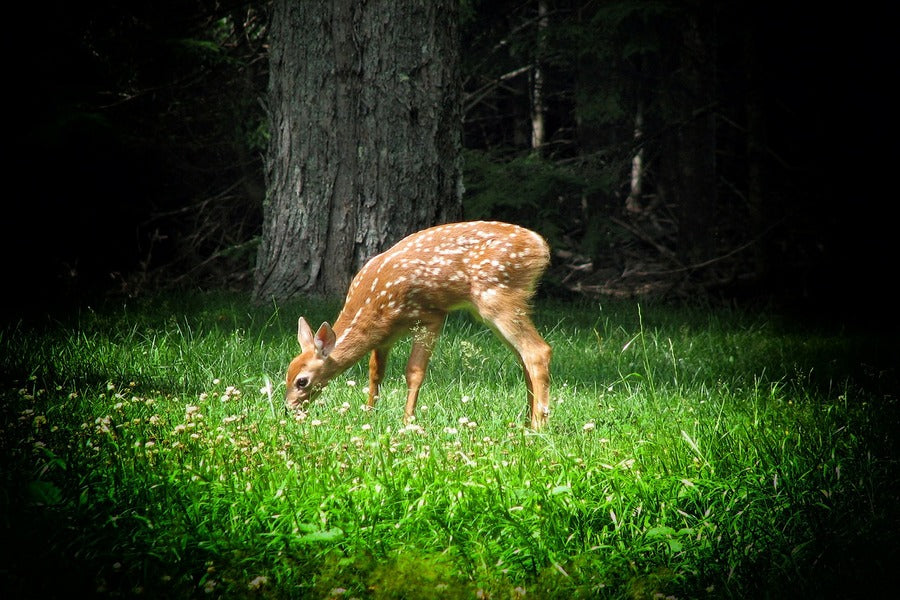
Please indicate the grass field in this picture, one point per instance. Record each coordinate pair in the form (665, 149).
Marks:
(691, 453)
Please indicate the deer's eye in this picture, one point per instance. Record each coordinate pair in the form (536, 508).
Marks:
(301, 382)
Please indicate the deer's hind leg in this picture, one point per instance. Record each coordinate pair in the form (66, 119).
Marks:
(509, 316)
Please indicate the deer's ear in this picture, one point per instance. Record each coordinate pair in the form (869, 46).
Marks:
(325, 340)
(304, 335)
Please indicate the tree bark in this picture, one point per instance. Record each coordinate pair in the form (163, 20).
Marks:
(364, 109)
(695, 187)
(537, 88)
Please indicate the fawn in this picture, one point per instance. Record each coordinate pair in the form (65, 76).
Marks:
(488, 267)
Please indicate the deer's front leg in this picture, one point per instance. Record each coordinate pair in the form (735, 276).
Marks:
(424, 338)
(377, 365)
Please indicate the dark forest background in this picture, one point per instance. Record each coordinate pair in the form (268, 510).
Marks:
(764, 131)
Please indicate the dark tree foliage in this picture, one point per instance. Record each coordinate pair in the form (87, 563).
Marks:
(660, 172)
(687, 148)
(691, 147)
(136, 144)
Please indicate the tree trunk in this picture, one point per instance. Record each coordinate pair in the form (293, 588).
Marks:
(365, 136)
(756, 144)
(696, 192)
(633, 203)
(537, 89)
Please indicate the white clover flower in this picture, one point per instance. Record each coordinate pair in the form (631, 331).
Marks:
(589, 426)
(257, 582)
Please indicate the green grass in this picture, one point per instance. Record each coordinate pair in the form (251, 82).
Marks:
(690, 454)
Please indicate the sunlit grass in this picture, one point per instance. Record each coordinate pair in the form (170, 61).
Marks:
(690, 454)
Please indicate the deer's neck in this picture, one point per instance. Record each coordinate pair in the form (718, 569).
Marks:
(356, 336)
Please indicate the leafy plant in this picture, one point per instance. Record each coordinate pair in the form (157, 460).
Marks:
(690, 453)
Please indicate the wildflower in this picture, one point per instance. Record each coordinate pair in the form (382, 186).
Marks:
(153, 420)
(103, 424)
(257, 582)
(450, 430)
(351, 383)
(230, 392)
(315, 422)
(179, 428)
(465, 399)
(589, 426)
(413, 428)
(366, 427)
